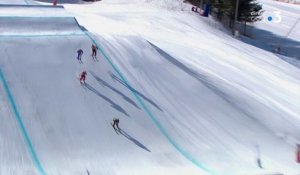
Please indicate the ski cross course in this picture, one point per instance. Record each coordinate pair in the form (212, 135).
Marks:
(186, 108)
(150, 114)
(38, 35)
(21, 125)
(138, 98)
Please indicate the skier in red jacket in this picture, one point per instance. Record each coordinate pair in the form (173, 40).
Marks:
(83, 77)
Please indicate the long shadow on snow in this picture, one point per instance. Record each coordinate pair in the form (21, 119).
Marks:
(104, 83)
(205, 81)
(269, 41)
(134, 90)
(113, 104)
(125, 134)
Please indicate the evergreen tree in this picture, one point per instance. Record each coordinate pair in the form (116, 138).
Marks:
(249, 10)
(225, 8)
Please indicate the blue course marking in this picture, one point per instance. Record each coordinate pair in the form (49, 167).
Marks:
(26, 2)
(186, 154)
(21, 125)
(181, 150)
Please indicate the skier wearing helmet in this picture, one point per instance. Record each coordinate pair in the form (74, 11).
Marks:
(83, 77)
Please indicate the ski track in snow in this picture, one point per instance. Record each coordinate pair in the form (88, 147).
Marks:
(198, 104)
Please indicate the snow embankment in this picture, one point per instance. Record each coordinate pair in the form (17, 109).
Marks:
(220, 96)
(36, 20)
(38, 26)
(209, 100)
(67, 124)
(32, 11)
(270, 35)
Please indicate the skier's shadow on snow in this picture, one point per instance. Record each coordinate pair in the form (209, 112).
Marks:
(104, 83)
(113, 104)
(114, 77)
(125, 134)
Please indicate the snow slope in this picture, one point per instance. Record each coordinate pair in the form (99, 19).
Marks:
(72, 135)
(14, 2)
(285, 34)
(32, 11)
(191, 99)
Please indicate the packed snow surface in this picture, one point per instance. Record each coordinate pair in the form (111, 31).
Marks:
(190, 98)
(283, 31)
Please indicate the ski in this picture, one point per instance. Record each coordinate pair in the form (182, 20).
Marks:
(114, 128)
(95, 59)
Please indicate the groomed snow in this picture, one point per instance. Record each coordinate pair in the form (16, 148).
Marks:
(285, 34)
(32, 11)
(196, 94)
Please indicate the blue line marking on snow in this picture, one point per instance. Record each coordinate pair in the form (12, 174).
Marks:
(186, 154)
(150, 114)
(26, 2)
(21, 125)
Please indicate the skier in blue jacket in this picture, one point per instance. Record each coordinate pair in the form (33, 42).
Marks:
(79, 52)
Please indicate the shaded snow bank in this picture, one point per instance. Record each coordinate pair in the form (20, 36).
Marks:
(216, 97)
(32, 11)
(42, 26)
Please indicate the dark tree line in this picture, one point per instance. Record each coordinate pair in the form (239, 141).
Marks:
(249, 11)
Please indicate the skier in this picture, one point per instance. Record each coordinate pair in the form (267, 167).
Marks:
(79, 52)
(83, 77)
(94, 50)
(116, 124)
(55, 2)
